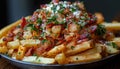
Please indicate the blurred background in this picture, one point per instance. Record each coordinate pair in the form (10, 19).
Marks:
(12, 10)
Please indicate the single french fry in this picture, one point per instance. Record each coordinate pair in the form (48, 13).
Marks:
(44, 60)
(83, 58)
(96, 49)
(13, 44)
(3, 49)
(21, 53)
(10, 51)
(30, 59)
(60, 58)
(56, 50)
(30, 42)
(79, 48)
(112, 26)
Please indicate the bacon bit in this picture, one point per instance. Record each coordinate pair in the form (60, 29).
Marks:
(7, 39)
(83, 40)
(23, 22)
(90, 15)
(81, 5)
(29, 52)
(43, 6)
(10, 34)
(46, 46)
(34, 33)
(40, 50)
(34, 17)
(51, 41)
(55, 1)
(92, 20)
(83, 36)
(66, 11)
(60, 42)
(93, 28)
(49, 25)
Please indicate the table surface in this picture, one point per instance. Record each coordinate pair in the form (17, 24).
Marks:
(115, 64)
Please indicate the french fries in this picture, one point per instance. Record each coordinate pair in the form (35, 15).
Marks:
(3, 49)
(83, 58)
(117, 41)
(30, 42)
(43, 60)
(61, 58)
(112, 26)
(74, 39)
(56, 50)
(21, 52)
(79, 48)
(13, 44)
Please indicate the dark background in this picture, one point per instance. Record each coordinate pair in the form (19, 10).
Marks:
(12, 10)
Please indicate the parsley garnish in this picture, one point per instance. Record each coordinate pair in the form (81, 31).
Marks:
(72, 47)
(19, 53)
(53, 18)
(34, 54)
(39, 20)
(33, 27)
(42, 34)
(100, 30)
(54, 8)
(43, 41)
(77, 58)
(112, 44)
(73, 9)
(61, 11)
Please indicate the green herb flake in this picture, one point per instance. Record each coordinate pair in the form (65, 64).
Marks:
(42, 34)
(76, 58)
(19, 53)
(35, 37)
(73, 9)
(39, 60)
(72, 47)
(32, 27)
(34, 54)
(43, 41)
(112, 44)
(39, 20)
(100, 30)
(18, 26)
(51, 19)
(54, 8)
(61, 11)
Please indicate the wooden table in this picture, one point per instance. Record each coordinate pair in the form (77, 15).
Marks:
(114, 65)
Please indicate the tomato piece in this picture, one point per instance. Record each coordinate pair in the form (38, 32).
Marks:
(23, 23)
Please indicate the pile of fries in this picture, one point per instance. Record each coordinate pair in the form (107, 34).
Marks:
(60, 33)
